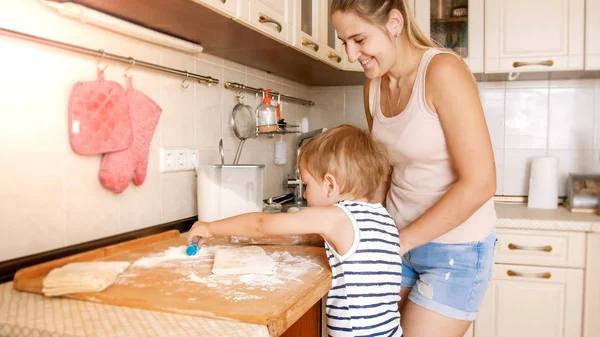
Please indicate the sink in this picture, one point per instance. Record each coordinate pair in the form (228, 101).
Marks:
(292, 207)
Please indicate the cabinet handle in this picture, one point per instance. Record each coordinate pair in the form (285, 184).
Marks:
(223, 1)
(512, 246)
(335, 56)
(262, 18)
(537, 275)
(518, 64)
(307, 42)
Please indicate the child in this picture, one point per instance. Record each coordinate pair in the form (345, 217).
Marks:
(342, 169)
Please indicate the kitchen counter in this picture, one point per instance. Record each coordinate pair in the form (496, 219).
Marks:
(171, 299)
(561, 219)
(28, 314)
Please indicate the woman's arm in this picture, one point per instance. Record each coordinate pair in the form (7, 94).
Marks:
(453, 93)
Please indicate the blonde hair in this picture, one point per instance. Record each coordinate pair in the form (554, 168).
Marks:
(358, 162)
(378, 12)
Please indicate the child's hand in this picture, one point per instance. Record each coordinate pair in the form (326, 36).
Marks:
(201, 230)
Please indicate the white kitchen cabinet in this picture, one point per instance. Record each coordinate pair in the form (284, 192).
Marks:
(307, 27)
(333, 53)
(226, 7)
(526, 301)
(534, 35)
(272, 17)
(455, 24)
(592, 35)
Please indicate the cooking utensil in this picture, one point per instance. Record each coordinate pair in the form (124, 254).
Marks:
(243, 124)
(221, 152)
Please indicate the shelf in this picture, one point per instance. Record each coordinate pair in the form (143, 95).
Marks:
(450, 20)
(280, 130)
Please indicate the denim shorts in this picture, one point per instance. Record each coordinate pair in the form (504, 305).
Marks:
(450, 279)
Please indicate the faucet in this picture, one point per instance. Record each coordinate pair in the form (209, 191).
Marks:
(296, 181)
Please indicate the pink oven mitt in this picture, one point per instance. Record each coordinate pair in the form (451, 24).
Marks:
(99, 119)
(119, 168)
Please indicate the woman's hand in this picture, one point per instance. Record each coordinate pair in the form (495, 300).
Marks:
(201, 230)
(405, 245)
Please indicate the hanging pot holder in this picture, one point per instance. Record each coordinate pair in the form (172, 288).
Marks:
(99, 119)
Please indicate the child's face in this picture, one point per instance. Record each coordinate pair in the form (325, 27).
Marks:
(315, 192)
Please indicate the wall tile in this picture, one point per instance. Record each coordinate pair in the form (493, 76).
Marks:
(499, 161)
(91, 210)
(177, 120)
(571, 162)
(516, 170)
(140, 206)
(571, 119)
(209, 107)
(526, 124)
(32, 217)
(178, 196)
(493, 107)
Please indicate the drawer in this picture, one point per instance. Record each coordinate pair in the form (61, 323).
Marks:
(270, 21)
(541, 248)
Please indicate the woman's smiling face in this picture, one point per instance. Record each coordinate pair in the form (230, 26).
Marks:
(366, 43)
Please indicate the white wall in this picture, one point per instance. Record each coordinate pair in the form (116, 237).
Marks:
(50, 196)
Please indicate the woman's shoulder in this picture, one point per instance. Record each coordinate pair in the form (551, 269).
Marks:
(447, 69)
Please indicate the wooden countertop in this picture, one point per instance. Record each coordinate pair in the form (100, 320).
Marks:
(185, 286)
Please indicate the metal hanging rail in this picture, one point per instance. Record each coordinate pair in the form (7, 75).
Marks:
(100, 53)
(275, 95)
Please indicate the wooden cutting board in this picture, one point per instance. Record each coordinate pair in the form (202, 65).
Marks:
(159, 280)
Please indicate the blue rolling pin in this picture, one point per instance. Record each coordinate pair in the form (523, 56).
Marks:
(193, 248)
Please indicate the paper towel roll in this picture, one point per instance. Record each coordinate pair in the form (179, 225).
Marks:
(543, 183)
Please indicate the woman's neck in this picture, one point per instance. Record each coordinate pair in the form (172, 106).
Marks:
(408, 58)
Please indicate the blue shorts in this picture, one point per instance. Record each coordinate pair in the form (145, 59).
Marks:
(450, 279)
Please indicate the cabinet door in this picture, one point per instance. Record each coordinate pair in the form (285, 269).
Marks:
(592, 35)
(226, 7)
(533, 35)
(272, 17)
(307, 28)
(456, 25)
(532, 302)
(334, 50)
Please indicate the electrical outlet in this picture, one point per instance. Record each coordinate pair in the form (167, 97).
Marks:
(194, 159)
(181, 159)
(167, 160)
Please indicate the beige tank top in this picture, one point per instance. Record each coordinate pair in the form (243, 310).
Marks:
(423, 169)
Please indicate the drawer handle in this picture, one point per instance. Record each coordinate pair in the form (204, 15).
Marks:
(518, 64)
(307, 42)
(335, 56)
(262, 18)
(512, 246)
(537, 275)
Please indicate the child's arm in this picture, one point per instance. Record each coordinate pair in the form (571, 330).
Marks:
(330, 222)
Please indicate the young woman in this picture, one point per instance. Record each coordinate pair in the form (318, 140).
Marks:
(422, 102)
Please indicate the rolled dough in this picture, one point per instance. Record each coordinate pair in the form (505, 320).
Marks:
(245, 260)
(79, 277)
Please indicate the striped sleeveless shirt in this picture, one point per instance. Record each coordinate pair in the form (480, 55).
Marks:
(365, 289)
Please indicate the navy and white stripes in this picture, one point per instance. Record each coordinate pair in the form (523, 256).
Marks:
(363, 299)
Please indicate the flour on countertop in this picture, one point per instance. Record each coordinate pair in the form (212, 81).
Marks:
(288, 268)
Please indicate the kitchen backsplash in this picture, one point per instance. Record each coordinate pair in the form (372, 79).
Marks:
(527, 119)
(51, 197)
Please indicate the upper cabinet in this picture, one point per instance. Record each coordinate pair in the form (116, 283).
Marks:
(334, 52)
(273, 17)
(456, 25)
(534, 35)
(307, 28)
(592, 35)
(226, 7)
